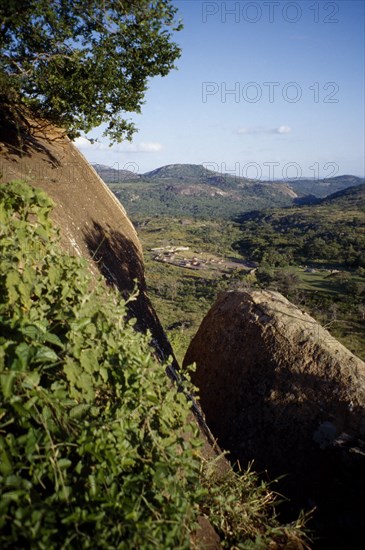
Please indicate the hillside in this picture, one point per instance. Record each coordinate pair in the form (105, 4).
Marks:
(323, 187)
(187, 173)
(182, 172)
(114, 175)
(349, 197)
(193, 190)
(332, 230)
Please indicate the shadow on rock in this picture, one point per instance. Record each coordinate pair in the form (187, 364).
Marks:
(20, 135)
(278, 389)
(120, 263)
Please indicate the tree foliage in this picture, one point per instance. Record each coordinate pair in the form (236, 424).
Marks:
(81, 63)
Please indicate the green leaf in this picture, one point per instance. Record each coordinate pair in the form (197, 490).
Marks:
(13, 495)
(86, 385)
(42, 232)
(72, 371)
(80, 411)
(31, 331)
(32, 401)
(7, 382)
(79, 324)
(64, 463)
(104, 374)
(53, 339)
(23, 352)
(31, 380)
(12, 281)
(89, 361)
(53, 274)
(45, 355)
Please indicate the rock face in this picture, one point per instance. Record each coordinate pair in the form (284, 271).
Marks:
(278, 389)
(94, 225)
(92, 222)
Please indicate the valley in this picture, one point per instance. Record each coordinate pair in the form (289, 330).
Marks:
(314, 253)
(192, 190)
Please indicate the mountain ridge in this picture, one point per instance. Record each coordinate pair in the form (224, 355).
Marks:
(181, 173)
(353, 192)
(192, 189)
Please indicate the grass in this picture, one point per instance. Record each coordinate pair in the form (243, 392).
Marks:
(182, 296)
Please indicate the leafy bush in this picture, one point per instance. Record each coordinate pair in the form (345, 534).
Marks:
(96, 450)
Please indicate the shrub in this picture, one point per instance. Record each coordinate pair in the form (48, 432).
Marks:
(95, 446)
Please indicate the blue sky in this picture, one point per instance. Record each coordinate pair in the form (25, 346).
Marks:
(265, 89)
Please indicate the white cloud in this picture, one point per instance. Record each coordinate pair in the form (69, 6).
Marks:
(261, 130)
(125, 147)
(83, 143)
(283, 130)
(149, 147)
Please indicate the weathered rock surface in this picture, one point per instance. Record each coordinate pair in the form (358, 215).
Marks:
(278, 389)
(92, 222)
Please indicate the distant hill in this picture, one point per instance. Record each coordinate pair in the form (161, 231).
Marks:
(173, 173)
(196, 173)
(332, 230)
(351, 197)
(112, 175)
(323, 187)
(182, 172)
(192, 189)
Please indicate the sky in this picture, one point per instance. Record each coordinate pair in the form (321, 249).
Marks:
(263, 89)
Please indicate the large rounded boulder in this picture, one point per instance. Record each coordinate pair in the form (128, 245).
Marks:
(279, 390)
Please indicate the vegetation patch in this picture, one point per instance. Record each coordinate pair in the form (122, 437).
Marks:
(97, 448)
(314, 255)
(93, 439)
